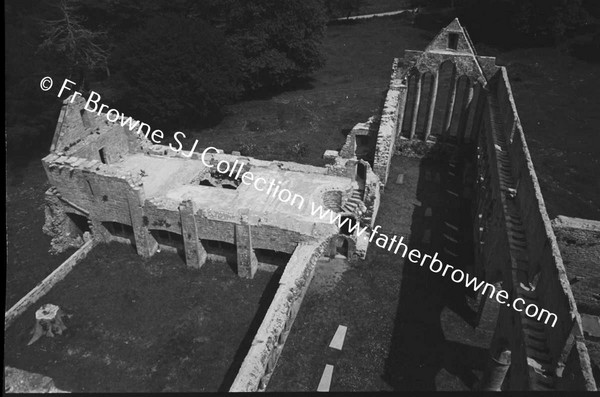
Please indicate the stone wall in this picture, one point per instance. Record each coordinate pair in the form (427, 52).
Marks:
(80, 133)
(102, 194)
(388, 125)
(544, 255)
(91, 185)
(534, 268)
(258, 366)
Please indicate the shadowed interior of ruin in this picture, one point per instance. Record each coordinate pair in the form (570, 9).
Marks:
(440, 223)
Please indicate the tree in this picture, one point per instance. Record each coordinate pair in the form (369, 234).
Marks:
(278, 41)
(271, 42)
(176, 69)
(66, 37)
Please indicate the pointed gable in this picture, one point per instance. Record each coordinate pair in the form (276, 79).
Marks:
(451, 44)
(453, 38)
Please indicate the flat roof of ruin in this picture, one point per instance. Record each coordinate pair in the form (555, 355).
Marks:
(167, 182)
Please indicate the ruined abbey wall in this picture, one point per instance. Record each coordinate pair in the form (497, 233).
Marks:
(535, 260)
(267, 345)
(83, 134)
(445, 94)
(92, 185)
(452, 95)
(391, 116)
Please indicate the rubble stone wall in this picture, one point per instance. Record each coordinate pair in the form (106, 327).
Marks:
(386, 136)
(93, 186)
(81, 133)
(543, 269)
(258, 366)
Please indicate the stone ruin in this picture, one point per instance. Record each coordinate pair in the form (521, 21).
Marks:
(119, 186)
(449, 95)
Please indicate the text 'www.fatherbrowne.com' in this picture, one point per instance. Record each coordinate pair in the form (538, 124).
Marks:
(273, 189)
(458, 276)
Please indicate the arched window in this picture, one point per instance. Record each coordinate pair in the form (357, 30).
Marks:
(425, 103)
(411, 97)
(446, 75)
(458, 121)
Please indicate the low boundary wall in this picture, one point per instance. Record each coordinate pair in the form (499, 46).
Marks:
(259, 364)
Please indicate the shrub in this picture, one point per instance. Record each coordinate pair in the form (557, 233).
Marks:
(278, 41)
(248, 149)
(178, 68)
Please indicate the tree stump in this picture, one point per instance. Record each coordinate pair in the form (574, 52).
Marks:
(48, 321)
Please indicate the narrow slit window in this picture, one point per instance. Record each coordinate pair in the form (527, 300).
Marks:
(453, 41)
(90, 186)
(85, 118)
(102, 156)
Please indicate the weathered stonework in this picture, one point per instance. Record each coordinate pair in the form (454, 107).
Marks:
(260, 362)
(58, 224)
(515, 243)
(119, 186)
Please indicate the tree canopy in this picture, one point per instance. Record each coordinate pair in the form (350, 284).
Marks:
(176, 68)
(168, 60)
(523, 22)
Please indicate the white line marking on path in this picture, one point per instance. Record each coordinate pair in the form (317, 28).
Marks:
(338, 339)
(325, 382)
(450, 238)
(451, 226)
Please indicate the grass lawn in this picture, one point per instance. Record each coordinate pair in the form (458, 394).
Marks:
(145, 327)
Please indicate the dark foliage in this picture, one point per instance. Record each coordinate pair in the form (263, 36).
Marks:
(176, 68)
(278, 41)
(66, 40)
(30, 113)
(167, 61)
(343, 8)
(274, 42)
(523, 22)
